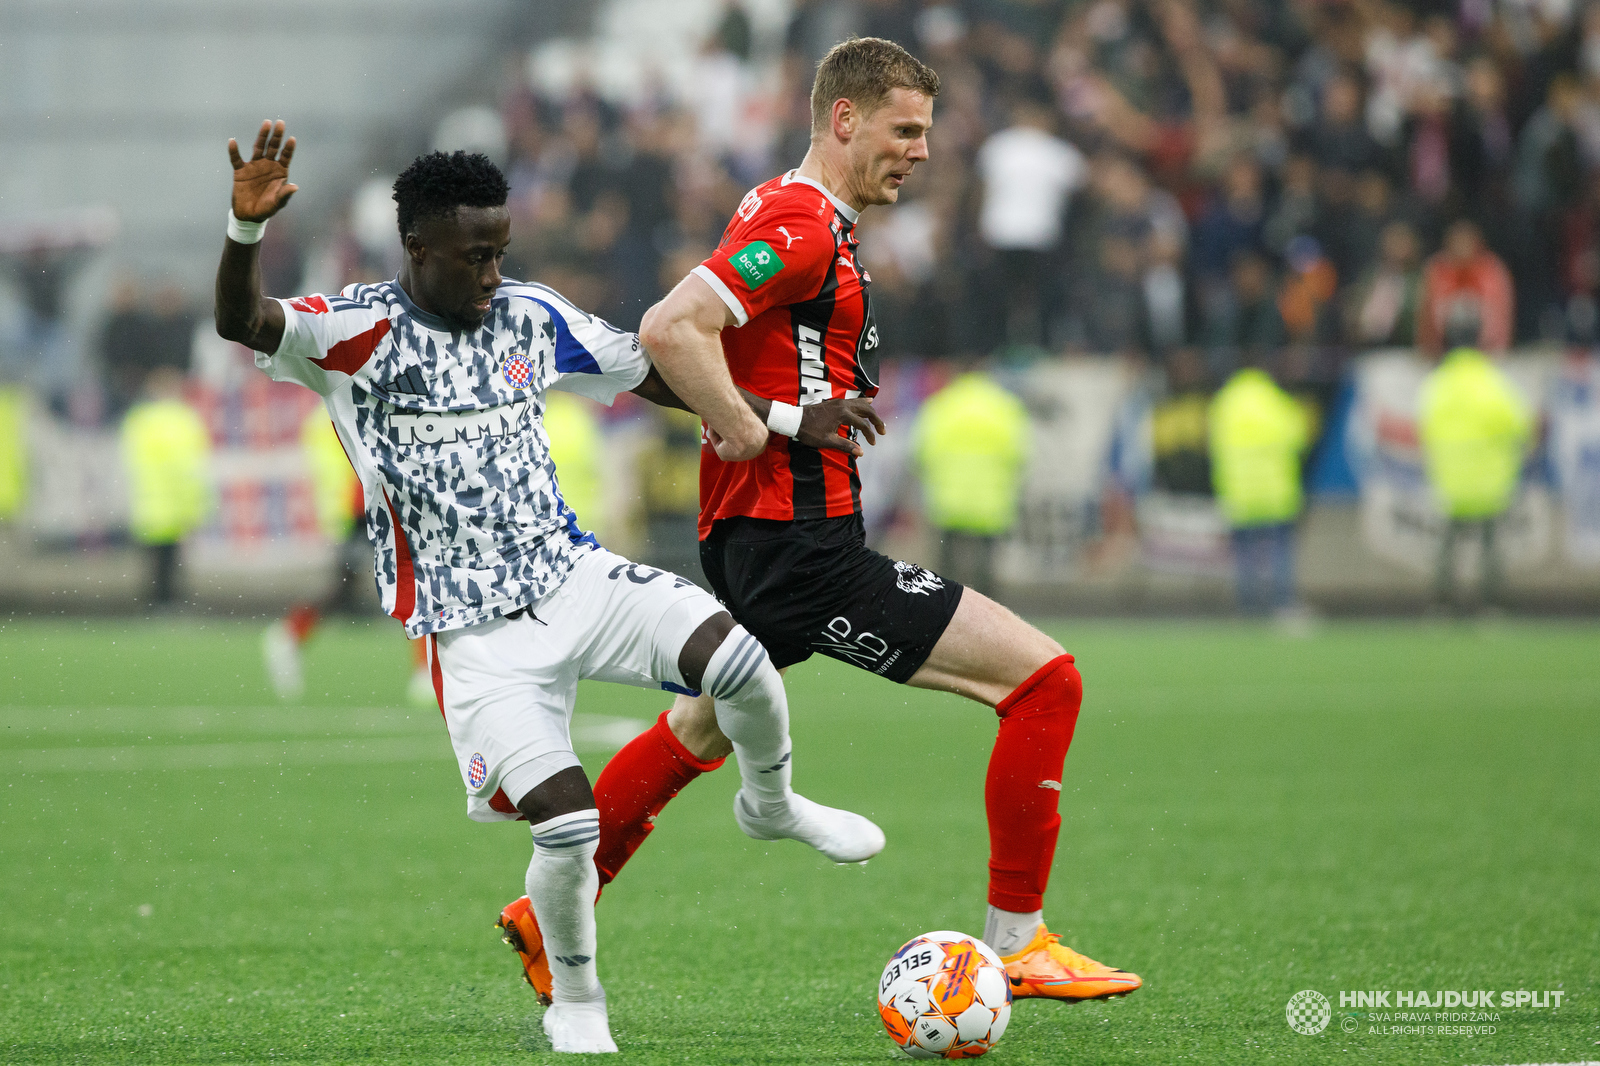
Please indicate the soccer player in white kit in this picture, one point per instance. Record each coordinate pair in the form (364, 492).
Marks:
(435, 383)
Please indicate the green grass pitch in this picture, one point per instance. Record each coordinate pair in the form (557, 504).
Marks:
(192, 874)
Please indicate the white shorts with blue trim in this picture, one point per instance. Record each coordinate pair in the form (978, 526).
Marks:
(507, 687)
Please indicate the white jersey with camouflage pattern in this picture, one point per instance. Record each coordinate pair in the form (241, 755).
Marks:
(445, 430)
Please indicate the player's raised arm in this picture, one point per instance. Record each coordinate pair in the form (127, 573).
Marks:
(683, 335)
(261, 188)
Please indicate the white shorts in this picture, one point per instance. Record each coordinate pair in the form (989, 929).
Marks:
(507, 687)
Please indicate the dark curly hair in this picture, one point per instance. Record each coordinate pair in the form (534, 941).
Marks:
(434, 185)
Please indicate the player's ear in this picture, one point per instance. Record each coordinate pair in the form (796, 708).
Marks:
(415, 249)
(845, 118)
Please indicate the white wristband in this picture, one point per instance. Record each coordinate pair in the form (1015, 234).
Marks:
(244, 232)
(784, 419)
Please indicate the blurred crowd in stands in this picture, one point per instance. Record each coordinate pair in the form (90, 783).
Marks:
(1167, 180)
(1130, 176)
(1200, 189)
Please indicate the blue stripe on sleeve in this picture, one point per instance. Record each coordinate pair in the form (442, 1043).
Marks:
(571, 356)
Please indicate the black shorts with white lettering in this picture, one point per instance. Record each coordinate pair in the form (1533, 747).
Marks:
(815, 586)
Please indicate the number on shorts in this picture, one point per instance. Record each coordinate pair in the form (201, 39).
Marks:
(643, 575)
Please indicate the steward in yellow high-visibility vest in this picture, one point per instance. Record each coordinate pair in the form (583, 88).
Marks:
(13, 452)
(167, 451)
(1474, 429)
(971, 443)
(575, 448)
(1258, 433)
(334, 485)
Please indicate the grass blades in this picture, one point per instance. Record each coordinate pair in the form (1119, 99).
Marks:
(196, 874)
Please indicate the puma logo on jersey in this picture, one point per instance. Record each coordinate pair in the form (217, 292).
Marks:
(790, 237)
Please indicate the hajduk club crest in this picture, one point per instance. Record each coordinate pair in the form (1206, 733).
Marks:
(477, 770)
(518, 370)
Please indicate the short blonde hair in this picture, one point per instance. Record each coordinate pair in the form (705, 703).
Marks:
(864, 70)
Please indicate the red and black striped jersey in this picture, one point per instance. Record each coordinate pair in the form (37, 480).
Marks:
(787, 269)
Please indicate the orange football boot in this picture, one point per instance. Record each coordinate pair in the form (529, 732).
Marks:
(520, 929)
(1047, 969)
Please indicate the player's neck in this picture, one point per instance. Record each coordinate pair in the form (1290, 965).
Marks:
(831, 175)
(413, 291)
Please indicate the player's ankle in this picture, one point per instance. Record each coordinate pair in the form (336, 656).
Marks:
(592, 993)
(769, 805)
(1008, 932)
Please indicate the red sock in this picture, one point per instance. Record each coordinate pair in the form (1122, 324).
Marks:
(1023, 789)
(634, 786)
(301, 621)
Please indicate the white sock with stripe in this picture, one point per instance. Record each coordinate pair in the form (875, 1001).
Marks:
(562, 883)
(753, 713)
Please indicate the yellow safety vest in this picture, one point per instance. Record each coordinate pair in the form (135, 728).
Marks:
(334, 485)
(575, 448)
(1474, 430)
(1258, 432)
(167, 451)
(971, 441)
(13, 452)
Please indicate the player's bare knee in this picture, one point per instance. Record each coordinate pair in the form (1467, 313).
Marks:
(1020, 650)
(1049, 648)
(701, 646)
(561, 793)
(693, 721)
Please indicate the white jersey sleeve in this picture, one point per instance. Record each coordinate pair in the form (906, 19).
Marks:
(593, 358)
(326, 339)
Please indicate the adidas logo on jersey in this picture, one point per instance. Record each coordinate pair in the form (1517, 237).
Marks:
(411, 381)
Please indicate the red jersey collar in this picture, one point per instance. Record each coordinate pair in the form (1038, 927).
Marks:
(839, 205)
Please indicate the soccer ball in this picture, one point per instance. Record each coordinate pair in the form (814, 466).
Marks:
(945, 995)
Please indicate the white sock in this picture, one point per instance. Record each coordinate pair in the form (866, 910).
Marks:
(1008, 932)
(562, 883)
(753, 712)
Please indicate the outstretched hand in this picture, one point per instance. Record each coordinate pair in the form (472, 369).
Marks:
(820, 422)
(261, 187)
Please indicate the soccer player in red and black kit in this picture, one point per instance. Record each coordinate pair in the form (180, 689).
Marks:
(779, 318)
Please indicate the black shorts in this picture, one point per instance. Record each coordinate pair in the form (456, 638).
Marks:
(814, 585)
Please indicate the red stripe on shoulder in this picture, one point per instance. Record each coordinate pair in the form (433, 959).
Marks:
(311, 305)
(351, 355)
(405, 576)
